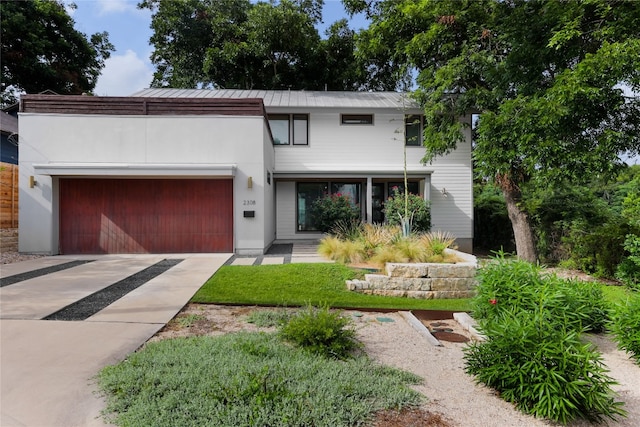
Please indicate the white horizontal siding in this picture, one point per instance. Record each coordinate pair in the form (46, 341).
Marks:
(378, 149)
(333, 146)
(285, 210)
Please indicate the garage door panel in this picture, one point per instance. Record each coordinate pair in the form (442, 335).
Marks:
(145, 216)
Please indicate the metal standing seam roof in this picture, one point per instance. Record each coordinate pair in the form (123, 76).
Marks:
(293, 98)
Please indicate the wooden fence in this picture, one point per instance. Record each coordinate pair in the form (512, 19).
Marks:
(8, 195)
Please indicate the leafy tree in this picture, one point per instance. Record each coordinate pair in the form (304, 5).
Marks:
(240, 44)
(543, 74)
(629, 269)
(41, 50)
(491, 226)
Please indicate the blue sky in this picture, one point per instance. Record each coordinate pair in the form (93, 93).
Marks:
(129, 68)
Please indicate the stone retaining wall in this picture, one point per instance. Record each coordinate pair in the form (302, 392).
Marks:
(424, 281)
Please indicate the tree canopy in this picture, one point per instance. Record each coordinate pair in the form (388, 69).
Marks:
(543, 75)
(245, 45)
(41, 50)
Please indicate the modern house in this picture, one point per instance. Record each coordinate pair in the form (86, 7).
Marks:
(176, 171)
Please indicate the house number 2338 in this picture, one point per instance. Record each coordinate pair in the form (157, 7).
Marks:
(248, 203)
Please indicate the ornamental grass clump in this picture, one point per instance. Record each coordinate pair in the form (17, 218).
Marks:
(377, 244)
(533, 354)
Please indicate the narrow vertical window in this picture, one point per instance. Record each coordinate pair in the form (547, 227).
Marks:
(413, 130)
(300, 129)
(307, 193)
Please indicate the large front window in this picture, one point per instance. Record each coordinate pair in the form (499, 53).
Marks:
(309, 192)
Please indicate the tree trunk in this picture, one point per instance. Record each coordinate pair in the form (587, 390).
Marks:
(522, 230)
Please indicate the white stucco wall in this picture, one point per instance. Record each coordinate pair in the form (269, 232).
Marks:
(150, 146)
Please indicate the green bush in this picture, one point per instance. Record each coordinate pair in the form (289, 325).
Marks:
(625, 326)
(533, 354)
(321, 331)
(505, 284)
(419, 211)
(629, 269)
(543, 368)
(333, 208)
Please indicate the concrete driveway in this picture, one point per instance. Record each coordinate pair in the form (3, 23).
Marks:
(47, 367)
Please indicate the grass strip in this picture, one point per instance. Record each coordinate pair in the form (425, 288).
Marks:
(304, 284)
(248, 379)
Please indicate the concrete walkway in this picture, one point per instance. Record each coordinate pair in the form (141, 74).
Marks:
(47, 367)
(283, 253)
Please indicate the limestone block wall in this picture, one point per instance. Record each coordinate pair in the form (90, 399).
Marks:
(422, 280)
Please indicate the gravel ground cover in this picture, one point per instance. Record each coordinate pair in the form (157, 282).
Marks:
(10, 280)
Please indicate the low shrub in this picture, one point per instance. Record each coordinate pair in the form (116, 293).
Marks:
(504, 284)
(533, 354)
(418, 210)
(625, 326)
(629, 269)
(543, 368)
(330, 209)
(321, 331)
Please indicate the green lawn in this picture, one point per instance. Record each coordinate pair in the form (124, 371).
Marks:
(615, 294)
(304, 284)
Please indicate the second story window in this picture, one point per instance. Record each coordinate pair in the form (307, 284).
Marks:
(288, 129)
(413, 130)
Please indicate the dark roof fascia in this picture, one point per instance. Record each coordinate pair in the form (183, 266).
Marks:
(107, 105)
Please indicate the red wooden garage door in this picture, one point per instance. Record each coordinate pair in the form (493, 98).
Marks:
(146, 215)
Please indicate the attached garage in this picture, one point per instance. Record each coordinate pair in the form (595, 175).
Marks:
(99, 216)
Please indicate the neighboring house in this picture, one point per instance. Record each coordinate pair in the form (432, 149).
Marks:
(172, 170)
(9, 135)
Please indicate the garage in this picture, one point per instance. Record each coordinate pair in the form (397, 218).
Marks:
(110, 216)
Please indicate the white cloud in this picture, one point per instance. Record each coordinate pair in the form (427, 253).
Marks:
(116, 6)
(124, 75)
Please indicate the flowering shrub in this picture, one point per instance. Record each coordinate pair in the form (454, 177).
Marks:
(419, 211)
(533, 355)
(333, 208)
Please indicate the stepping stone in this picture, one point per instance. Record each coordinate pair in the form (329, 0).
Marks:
(384, 319)
(243, 261)
(272, 260)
